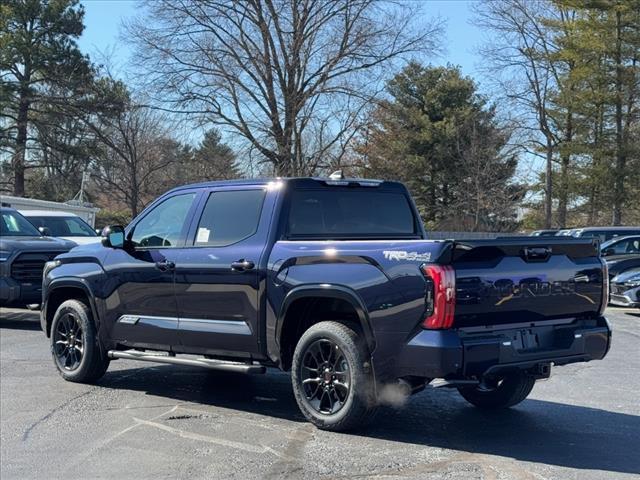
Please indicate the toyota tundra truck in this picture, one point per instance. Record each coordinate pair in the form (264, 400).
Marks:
(23, 253)
(334, 280)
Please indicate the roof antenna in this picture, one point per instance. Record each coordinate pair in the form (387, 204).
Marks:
(337, 175)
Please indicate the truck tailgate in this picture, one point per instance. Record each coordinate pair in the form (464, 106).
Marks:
(527, 279)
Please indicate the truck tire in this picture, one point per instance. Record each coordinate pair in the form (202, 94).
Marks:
(75, 348)
(509, 391)
(331, 376)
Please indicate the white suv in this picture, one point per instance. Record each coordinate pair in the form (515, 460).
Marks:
(65, 225)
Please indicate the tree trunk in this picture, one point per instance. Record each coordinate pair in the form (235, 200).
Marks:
(133, 205)
(565, 159)
(563, 194)
(548, 185)
(621, 158)
(21, 144)
(432, 195)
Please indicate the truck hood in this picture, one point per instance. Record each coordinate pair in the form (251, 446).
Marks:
(624, 276)
(83, 240)
(87, 251)
(620, 265)
(35, 244)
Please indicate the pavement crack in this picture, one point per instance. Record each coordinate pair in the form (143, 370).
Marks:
(289, 464)
(113, 437)
(53, 411)
(27, 432)
(246, 447)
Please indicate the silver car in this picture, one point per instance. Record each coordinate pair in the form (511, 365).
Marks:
(625, 289)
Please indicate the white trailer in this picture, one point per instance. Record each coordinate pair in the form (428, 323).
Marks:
(83, 210)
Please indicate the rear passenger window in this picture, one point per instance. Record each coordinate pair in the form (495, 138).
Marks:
(229, 217)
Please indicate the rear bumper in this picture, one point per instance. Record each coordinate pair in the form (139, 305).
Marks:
(463, 354)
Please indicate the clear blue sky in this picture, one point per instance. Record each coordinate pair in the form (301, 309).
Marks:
(104, 17)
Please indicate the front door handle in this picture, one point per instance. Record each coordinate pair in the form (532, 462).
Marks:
(242, 265)
(165, 265)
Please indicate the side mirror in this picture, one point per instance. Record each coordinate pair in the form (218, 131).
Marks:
(98, 231)
(608, 251)
(113, 236)
(44, 231)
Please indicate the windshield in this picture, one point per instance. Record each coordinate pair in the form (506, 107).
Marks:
(359, 213)
(621, 246)
(15, 225)
(64, 226)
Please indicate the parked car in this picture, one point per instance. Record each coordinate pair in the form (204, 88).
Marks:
(565, 232)
(544, 233)
(621, 247)
(620, 264)
(23, 253)
(605, 233)
(65, 225)
(333, 280)
(625, 289)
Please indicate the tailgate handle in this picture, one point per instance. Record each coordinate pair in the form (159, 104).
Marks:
(536, 254)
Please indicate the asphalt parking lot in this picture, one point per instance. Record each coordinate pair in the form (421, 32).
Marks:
(160, 421)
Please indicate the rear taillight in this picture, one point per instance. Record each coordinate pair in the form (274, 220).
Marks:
(442, 297)
(605, 287)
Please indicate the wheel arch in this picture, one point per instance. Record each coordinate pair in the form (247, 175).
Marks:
(300, 299)
(61, 290)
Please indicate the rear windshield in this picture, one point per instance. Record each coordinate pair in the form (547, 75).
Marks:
(358, 213)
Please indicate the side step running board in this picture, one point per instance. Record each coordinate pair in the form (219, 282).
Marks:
(192, 362)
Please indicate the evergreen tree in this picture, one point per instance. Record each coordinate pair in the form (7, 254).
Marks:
(214, 160)
(39, 57)
(439, 136)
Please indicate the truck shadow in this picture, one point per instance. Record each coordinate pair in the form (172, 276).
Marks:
(535, 431)
(19, 319)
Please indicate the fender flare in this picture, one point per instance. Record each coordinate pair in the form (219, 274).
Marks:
(328, 291)
(70, 282)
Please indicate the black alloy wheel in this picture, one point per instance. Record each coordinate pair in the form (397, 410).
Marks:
(76, 350)
(325, 377)
(332, 378)
(68, 342)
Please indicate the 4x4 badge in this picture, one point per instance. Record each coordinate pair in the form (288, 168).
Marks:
(404, 255)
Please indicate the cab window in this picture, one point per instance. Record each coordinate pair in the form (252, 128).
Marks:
(229, 217)
(356, 213)
(163, 226)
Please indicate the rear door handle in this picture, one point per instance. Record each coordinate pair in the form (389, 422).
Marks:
(242, 265)
(165, 265)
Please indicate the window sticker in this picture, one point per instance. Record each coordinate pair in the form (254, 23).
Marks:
(203, 235)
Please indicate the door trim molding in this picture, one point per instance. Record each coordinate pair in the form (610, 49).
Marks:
(205, 325)
(233, 327)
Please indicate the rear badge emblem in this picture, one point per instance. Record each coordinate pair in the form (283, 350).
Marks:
(399, 255)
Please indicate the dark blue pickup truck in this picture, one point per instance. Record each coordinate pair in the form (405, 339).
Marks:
(334, 280)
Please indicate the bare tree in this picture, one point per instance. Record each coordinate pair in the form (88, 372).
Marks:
(137, 149)
(521, 64)
(290, 76)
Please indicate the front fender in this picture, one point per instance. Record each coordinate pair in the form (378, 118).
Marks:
(69, 276)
